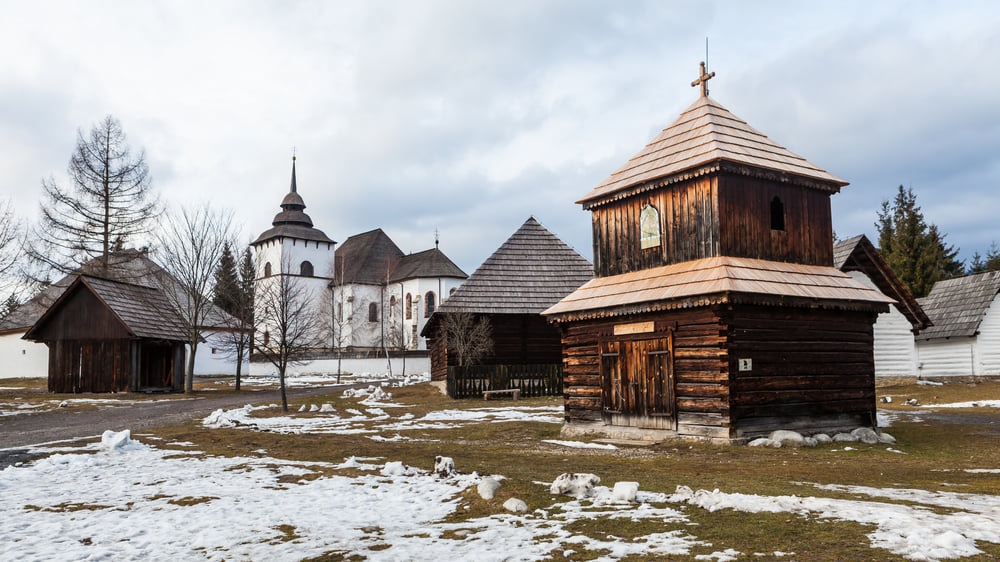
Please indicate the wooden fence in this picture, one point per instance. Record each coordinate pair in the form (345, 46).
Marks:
(533, 380)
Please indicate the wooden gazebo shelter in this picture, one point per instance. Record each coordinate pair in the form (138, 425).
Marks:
(110, 336)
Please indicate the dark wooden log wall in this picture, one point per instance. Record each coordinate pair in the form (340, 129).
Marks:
(89, 366)
(437, 345)
(82, 317)
(810, 367)
(719, 215)
(688, 228)
(524, 339)
(745, 222)
(700, 366)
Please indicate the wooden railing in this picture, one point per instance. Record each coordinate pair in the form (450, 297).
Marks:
(533, 380)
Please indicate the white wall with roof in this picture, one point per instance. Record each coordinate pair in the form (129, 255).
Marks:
(895, 348)
(22, 358)
(963, 356)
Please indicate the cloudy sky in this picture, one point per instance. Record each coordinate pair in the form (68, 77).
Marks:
(470, 116)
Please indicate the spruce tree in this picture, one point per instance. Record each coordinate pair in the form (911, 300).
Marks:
(915, 251)
(226, 294)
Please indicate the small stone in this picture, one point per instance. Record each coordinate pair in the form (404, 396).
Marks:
(787, 438)
(866, 435)
(886, 438)
(822, 438)
(845, 438)
(625, 491)
(488, 487)
(515, 505)
(764, 442)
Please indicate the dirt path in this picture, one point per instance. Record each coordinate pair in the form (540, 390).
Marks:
(68, 425)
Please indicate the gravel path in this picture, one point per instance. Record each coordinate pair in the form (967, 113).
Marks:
(64, 424)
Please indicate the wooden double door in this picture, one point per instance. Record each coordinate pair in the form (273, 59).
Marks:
(638, 381)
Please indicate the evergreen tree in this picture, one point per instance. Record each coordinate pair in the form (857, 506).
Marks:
(248, 277)
(226, 294)
(915, 250)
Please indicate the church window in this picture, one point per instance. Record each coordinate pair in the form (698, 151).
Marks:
(409, 306)
(340, 311)
(373, 312)
(428, 304)
(306, 269)
(452, 291)
(392, 306)
(267, 269)
(777, 214)
(267, 338)
(649, 227)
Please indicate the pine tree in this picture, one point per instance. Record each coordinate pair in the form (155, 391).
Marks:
(915, 250)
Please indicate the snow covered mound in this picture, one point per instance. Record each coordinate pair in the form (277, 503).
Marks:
(119, 441)
(577, 485)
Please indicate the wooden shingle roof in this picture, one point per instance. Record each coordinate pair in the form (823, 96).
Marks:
(859, 254)
(292, 221)
(704, 134)
(957, 306)
(367, 258)
(528, 273)
(715, 280)
(125, 266)
(146, 313)
(429, 263)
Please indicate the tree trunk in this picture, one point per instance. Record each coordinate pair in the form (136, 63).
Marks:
(284, 398)
(239, 363)
(189, 383)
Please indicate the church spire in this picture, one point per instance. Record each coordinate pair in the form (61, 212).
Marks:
(294, 187)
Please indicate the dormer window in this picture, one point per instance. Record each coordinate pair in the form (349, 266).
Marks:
(777, 214)
(649, 227)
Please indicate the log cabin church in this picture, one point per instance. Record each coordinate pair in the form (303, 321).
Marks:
(715, 312)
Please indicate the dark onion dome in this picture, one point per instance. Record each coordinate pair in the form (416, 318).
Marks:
(292, 222)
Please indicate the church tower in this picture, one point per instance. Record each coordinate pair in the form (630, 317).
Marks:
(294, 247)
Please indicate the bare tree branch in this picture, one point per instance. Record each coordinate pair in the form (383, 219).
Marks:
(287, 323)
(108, 203)
(189, 248)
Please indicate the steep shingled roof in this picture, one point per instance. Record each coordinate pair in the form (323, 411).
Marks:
(125, 266)
(429, 263)
(716, 280)
(367, 258)
(703, 134)
(957, 306)
(528, 273)
(145, 312)
(859, 254)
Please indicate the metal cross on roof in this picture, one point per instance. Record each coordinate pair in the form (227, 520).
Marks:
(703, 79)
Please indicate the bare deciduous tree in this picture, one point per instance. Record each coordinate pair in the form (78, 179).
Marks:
(469, 337)
(190, 245)
(287, 323)
(11, 245)
(108, 203)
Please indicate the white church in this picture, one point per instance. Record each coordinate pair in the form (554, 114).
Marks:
(374, 299)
